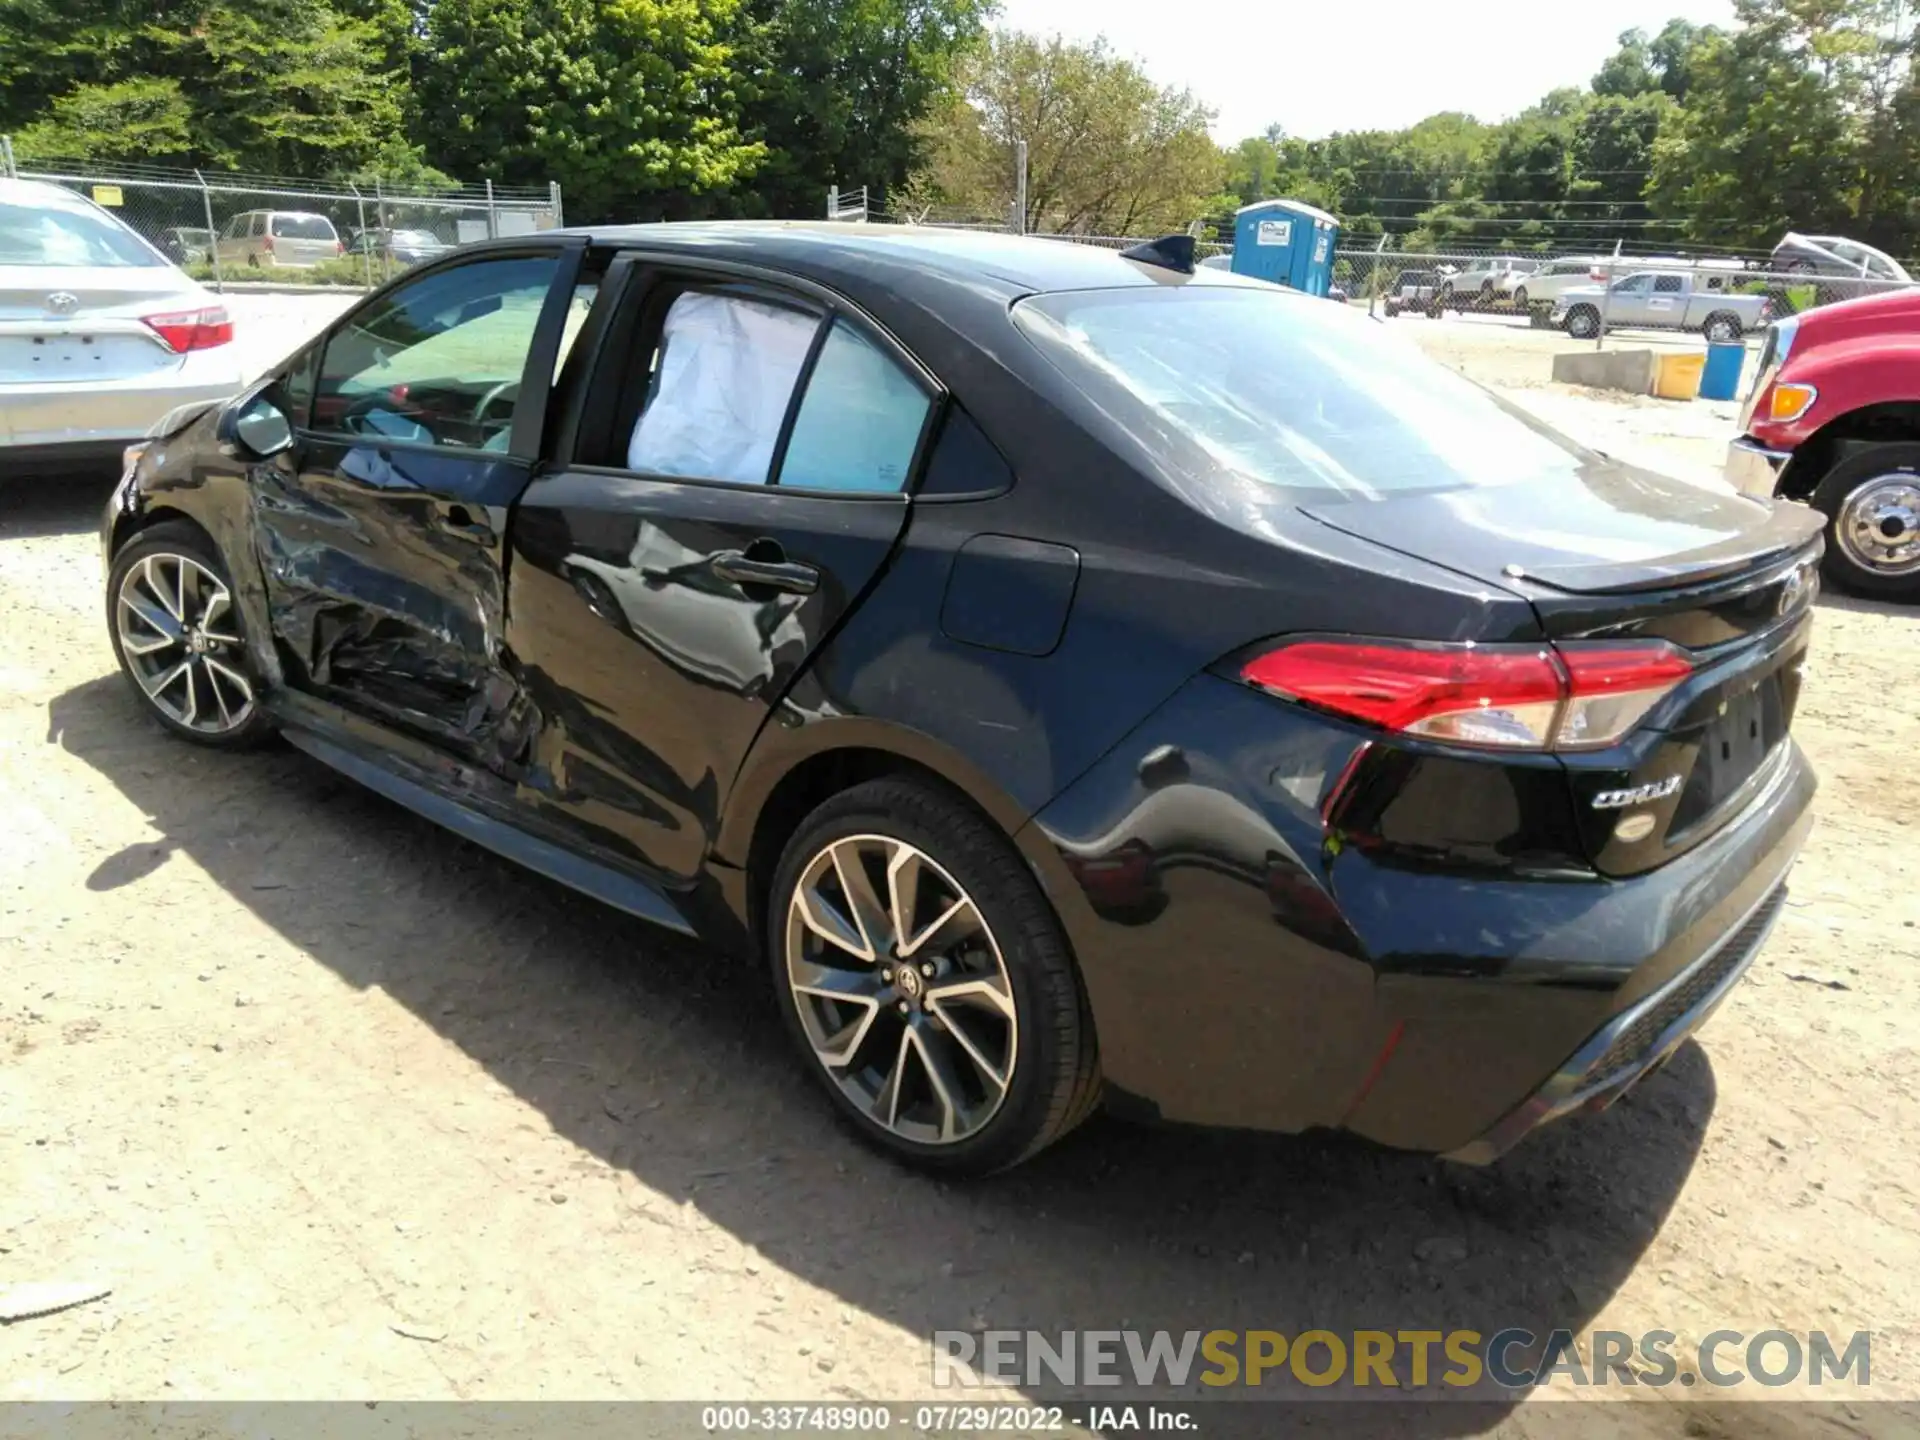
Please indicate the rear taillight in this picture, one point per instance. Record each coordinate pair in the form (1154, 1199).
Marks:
(186, 330)
(266, 243)
(339, 247)
(1579, 695)
(1596, 274)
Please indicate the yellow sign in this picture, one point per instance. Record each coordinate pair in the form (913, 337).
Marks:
(108, 195)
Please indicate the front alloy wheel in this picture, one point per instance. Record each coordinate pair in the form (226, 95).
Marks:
(925, 979)
(177, 633)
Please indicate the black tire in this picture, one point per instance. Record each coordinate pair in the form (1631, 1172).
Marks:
(1520, 300)
(1392, 309)
(1873, 466)
(1726, 323)
(1055, 1079)
(179, 538)
(1583, 322)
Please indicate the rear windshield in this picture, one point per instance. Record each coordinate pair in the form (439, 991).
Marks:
(1277, 388)
(46, 235)
(302, 227)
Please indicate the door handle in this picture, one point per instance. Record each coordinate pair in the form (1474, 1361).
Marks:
(775, 574)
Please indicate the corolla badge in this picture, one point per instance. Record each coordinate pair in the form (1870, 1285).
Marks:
(1638, 795)
(62, 302)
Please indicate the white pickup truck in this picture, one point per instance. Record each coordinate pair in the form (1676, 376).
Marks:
(1663, 299)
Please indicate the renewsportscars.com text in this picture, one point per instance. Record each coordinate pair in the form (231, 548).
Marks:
(1514, 1359)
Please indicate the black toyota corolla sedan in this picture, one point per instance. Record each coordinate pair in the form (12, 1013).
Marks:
(1075, 676)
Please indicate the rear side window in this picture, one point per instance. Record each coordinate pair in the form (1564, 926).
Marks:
(61, 237)
(723, 376)
(1284, 390)
(1666, 285)
(859, 422)
(302, 227)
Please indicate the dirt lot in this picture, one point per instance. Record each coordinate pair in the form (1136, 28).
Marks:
(339, 1105)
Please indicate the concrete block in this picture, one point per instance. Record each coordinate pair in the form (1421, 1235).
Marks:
(1628, 370)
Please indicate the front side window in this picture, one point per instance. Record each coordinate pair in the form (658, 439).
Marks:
(1633, 285)
(721, 379)
(1283, 390)
(57, 236)
(859, 422)
(439, 361)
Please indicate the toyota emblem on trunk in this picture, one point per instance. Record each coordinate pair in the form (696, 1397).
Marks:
(63, 302)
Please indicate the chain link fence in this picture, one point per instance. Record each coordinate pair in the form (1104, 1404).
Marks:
(233, 229)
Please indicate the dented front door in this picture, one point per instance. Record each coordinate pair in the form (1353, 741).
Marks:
(382, 534)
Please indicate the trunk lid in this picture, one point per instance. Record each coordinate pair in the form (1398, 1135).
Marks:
(1612, 552)
(84, 323)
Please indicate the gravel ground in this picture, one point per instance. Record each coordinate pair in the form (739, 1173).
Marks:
(339, 1105)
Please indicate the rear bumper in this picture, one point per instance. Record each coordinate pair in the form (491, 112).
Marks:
(108, 413)
(1637, 1041)
(1753, 469)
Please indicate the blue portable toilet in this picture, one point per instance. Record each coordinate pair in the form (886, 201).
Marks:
(1720, 377)
(1286, 241)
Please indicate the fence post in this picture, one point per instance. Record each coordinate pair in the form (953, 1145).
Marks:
(493, 220)
(1606, 298)
(1019, 187)
(1373, 279)
(553, 198)
(380, 211)
(6, 157)
(366, 251)
(213, 235)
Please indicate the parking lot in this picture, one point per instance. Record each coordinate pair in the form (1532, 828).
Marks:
(337, 1104)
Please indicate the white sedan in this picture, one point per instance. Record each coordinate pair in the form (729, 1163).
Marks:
(100, 335)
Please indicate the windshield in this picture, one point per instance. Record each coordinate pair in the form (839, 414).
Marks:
(44, 235)
(302, 227)
(1269, 386)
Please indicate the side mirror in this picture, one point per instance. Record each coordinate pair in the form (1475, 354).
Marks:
(254, 429)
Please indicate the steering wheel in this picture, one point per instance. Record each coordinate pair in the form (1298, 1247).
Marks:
(487, 400)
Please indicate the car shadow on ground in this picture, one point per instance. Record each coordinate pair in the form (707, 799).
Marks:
(677, 1070)
(64, 504)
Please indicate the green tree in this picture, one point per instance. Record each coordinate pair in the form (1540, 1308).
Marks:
(633, 105)
(123, 120)
(836, 90)
(1108, 152)
(285, 86)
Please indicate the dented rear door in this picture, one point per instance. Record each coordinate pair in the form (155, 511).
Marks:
(382, 535)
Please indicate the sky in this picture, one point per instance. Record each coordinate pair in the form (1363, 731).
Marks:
(1371, 65)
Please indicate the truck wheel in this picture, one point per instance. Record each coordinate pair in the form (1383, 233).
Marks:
(1583, 322)
(1392, 309)
(1722, 328)
(1872, 505)
(1520, 299)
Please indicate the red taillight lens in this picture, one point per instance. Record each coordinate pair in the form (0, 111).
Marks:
(339, 247)
(1535, 697)
(1612, 685)
(186, 330)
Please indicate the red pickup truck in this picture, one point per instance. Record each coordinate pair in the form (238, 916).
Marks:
(1834, 420)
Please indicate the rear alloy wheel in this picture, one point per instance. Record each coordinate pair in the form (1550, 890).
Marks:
(177, 634)
(1872, 504)
(926, 981)
(1583, 322)
(1520, 299)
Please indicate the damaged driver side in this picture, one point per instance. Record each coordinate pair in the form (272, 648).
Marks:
(382, 526)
